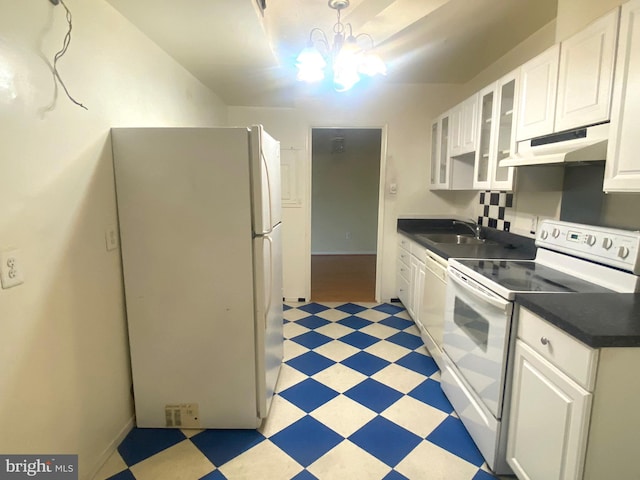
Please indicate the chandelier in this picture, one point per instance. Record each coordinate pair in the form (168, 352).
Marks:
(345, 61)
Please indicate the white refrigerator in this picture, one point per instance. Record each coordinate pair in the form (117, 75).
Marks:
(200, 226)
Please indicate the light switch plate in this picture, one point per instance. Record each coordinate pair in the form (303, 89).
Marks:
(11, 272)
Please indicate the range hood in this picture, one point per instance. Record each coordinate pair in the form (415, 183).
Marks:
(581, 145)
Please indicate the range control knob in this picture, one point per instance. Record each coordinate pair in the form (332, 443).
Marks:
(623, 252)
(607, 243)
(555, 233)
(544, 234)
(590, 240)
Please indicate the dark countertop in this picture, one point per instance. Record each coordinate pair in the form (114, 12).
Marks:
(598, 320)
(507, 246)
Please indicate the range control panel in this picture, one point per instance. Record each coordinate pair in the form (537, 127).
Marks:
(609, 246)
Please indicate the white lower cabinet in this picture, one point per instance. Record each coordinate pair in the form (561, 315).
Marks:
(410, 275)
(574, 412)
(549, 418)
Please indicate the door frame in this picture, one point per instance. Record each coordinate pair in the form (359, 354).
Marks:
(381, 198)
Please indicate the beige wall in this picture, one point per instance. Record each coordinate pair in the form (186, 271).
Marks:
(573, 15)
(65, 376)
(405, 111)
(345, 186)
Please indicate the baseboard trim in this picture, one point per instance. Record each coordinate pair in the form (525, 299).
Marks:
(113, 445)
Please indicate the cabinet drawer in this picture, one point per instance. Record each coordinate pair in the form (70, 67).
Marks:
(402, 286)
(404, 242)
(404, 270)
(404, 257)
(571, 356)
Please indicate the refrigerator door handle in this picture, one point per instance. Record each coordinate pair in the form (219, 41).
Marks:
(270, 276)
(270, 202)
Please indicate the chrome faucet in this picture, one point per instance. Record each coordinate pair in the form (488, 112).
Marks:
(474, 227)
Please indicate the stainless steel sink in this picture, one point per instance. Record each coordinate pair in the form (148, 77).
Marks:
(453, 238)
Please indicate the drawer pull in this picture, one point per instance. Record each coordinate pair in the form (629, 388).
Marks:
(544, 341)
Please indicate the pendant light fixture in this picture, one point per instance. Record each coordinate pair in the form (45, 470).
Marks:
(344, 61)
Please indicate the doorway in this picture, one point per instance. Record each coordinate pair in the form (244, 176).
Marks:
(345, 183)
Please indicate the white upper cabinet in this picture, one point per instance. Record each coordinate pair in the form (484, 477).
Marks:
(464, 118)
(538, 87)
(440, 153)
(496, 134)
(569, 85)
(585, 77)
(468, 132)
(622, 172)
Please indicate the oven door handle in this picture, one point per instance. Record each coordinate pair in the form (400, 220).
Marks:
(477, 291)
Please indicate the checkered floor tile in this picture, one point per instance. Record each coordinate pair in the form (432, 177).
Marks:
(358, 397)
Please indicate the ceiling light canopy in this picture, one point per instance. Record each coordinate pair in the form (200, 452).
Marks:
(345, 60)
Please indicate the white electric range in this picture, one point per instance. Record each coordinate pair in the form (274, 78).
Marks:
(479, 321)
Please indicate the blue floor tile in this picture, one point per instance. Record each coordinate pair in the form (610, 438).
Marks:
(365, 363)
(313, 308)
(355, 322)
(312, 322)
(124, 475)
(393, 475)
(215, 475)
(286, 307)
(310, 363)
(482, 475)
(419, 363)
(142, 443)
(305, 475)
(351, 308)
(430, 392)
(385, 440)
(220, 446)
(406, 340)
(374, 395)
(312, 340)
(309, 394)
(453, 437)
(396, 322)
(389, 308)
(306, 440)
(359, 340)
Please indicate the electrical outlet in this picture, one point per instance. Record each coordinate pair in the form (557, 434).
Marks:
(111, 237)
(11, 273)
(348, 235)
(534, 224)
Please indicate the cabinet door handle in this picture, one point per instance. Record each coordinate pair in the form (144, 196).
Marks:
(544, 341)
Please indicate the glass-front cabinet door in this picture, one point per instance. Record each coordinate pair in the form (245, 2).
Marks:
(433, 181)
(439, 168)
(481, 170)
(506, 132)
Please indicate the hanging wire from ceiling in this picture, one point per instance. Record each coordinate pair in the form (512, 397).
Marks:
(62, 51)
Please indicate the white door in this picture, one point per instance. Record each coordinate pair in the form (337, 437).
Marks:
(549, 420)
(622, 171)
(265, 178)
(268, 315)
(538, 87)
(585, 78)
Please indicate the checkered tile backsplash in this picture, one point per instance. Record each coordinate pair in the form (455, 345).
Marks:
(495, 210)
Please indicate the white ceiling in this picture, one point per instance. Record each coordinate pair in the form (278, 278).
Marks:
(248, 58)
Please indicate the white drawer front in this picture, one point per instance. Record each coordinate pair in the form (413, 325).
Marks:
(571, 356)
(404, 256)
(418, 251)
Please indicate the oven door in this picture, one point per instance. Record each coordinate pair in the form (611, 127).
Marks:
(476, 337)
